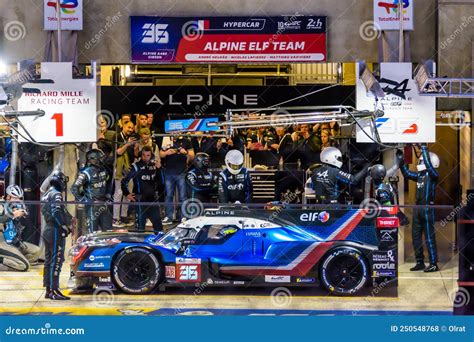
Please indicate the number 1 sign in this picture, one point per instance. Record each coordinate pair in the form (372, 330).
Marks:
(70, 106)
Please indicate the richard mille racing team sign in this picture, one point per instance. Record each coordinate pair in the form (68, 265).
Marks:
(70, 106)
(228, 39)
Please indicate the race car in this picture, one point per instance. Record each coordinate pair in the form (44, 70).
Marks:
(230, 248)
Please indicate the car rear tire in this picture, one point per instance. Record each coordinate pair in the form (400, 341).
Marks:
(136, 271)
(344, 271)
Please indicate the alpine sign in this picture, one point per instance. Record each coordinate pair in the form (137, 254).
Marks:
(408, 118)
(228, 39)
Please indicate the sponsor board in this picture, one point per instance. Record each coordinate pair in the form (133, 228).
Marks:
(408, 117)
(387, 14)
(228, 39)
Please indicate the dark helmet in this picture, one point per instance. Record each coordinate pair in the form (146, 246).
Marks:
(378, 173)
(59, 181)
(201, 160)
(95, 157)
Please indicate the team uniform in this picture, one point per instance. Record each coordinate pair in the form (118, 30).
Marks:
(145, 178)
(232, 188)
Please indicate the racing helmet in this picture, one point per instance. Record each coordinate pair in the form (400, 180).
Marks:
(201, 160)
(378, 173)
(94, 157)
(14, 190)
(234, 160)
(59, 181)
(331, 156)
(434, 161)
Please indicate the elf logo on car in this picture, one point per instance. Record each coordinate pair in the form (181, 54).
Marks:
(316, 216)
(384, 222)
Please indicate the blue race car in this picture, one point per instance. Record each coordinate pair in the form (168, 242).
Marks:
(228, 248)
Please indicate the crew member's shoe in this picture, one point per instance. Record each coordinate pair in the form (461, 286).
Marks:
(431, 268)
(418, 267)
(166, 221)
(55, 294)
(58, 293)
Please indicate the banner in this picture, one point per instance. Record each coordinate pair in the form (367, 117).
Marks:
(228, 39)
(409, 118)
(71, 15)
(199, 100)
(70, 106)
(387, 17)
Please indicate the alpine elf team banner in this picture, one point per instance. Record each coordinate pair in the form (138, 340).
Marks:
(228, 39)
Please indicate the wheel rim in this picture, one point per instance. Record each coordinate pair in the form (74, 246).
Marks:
(136, 270)
(345, 273)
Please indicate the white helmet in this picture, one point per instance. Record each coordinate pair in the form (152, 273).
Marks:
(234, 160)
(434, 161)
(14, 191)
(331, 156)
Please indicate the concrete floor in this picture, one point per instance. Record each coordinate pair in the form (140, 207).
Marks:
(21, 293)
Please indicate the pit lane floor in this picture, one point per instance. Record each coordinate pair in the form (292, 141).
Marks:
(418, 293)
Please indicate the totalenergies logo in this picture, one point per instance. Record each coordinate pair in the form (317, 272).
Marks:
(67, 6)
(393, 6)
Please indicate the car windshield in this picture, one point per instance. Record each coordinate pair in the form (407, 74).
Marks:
(171, 239)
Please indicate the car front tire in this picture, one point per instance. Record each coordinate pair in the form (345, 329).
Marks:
(136, 271)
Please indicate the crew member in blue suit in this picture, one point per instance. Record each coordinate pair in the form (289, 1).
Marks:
(58, 226)
(426, 179)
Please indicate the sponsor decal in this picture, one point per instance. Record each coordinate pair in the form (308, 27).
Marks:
(220, 282)
(94, 265)
(220, 213)
(254, 234)
(384, 274)
(238, 282)
(387, 222)
(104, 279)
(387, 237)
(170, 272)
(96, 257)
(188, 261)
(277, 279)
(305, 280)
(316, 216)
